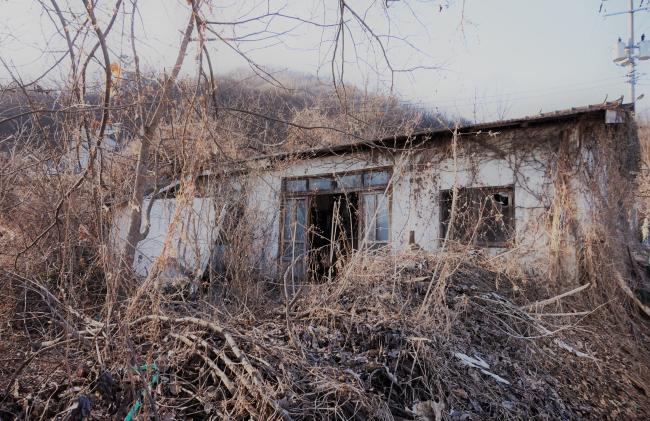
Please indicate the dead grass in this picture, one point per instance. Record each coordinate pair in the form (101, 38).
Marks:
(356, 347)
(457, 334)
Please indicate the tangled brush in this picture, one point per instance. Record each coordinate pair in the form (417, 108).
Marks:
(357, 347)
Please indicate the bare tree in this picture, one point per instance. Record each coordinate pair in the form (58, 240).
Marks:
(147, 129)
(344, 30)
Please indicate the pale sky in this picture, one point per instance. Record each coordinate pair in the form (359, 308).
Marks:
(492, 58)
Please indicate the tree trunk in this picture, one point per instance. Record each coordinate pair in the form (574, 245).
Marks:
(146, 135)
(134, 235)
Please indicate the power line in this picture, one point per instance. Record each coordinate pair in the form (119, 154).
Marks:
(558, 88)
(510, 97)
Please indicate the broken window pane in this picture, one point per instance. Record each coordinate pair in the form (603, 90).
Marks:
(501, 198)
(321, 183)
(376, 178)
(352, 181)
(496, 218)
(482, 216)
(465, 214)
(295, 185)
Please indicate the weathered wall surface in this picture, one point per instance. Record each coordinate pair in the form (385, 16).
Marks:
(552, 169)
(191, 241)
(523, 158)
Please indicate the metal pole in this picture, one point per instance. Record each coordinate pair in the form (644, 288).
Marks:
(631, 67)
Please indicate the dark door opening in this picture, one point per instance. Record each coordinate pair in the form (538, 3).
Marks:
(333, 231)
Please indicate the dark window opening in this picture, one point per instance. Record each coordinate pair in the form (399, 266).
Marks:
(482, 216)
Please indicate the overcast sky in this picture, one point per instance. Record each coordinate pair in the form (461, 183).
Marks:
(489, 58)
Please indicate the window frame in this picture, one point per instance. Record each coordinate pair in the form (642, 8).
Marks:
(308, 194)
(373, 243)
(334, 176)
(485, 191)
(284, 262)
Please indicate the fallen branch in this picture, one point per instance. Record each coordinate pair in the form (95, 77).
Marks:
(555, 299)
(496, 298)
(234, 368)
(252, 371)
(628, 291)
(569, 314)
(481, 365)
(217, 371)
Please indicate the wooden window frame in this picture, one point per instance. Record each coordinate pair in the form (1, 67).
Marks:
(334, 175)
(308, 195)
(283, 208)
(373, 243)
(486, 190)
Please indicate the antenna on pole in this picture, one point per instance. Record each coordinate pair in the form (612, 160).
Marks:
(625, 54)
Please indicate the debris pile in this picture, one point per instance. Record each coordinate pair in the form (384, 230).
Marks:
(361, 346)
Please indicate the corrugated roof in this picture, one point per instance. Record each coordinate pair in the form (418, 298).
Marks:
(395, 142)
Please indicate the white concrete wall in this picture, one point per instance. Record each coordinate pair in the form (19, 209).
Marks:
(414, 196)
(417, 207)
(414, 202)
(520, 158)
(190, 244)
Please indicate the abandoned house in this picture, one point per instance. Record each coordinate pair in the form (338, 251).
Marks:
(303, 213)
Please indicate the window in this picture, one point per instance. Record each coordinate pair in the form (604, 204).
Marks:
(375, 217)
(293, 234)
(321, 183)
(374, 179)
(349, 182)
(295, 185)
(483, 216)
(323, 214)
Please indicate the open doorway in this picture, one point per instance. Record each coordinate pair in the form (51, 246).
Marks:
(333, 231)
(324, 218)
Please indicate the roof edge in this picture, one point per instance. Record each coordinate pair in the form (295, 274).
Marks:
(392, 142)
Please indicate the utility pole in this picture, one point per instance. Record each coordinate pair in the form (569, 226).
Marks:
(631, 67)
(625, 54)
